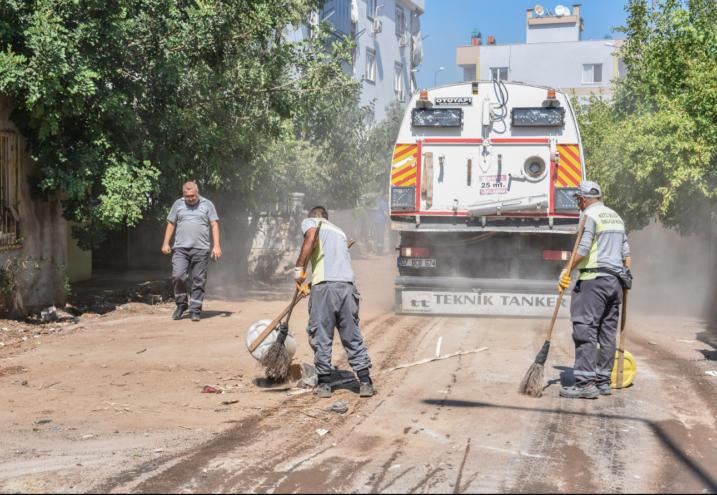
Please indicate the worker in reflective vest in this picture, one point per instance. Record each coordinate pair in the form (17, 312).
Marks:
(603, 259)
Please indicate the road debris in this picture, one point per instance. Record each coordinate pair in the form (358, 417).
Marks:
(49, 314)
(143, 350)
(309, 378)
(229, 402)
(208, 389)
(322, 431)
(711, 373)
(301, 391)
(437, 358)
(339, 406)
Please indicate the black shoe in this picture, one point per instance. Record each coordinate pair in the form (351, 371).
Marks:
(366, 389)
(177, 315)
(195, 316)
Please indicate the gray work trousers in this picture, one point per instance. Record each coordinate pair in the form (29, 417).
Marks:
(189, 274)
(594, 311)
(335, 305)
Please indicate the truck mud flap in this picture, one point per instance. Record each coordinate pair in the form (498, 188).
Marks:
(479, 303)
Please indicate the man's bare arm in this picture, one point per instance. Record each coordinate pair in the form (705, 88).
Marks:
(576, 261)
(306, 247)
(167, 237)
(217, 249)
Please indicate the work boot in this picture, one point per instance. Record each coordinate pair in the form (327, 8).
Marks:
(323, 391)
(366, 389)
(195, 315)
(604, 388)
(580, 392)
(177, 315)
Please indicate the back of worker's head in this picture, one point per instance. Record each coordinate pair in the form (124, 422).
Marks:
(319, 212)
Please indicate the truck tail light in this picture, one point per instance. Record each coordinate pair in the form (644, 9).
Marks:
(553, 255)
(414, 252)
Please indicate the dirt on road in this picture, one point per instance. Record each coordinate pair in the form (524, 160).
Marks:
(115, 404)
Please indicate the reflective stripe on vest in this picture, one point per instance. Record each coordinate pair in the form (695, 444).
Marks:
(605, 220)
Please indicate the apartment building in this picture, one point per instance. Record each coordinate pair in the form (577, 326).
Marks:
(554, 54)
(389, 50)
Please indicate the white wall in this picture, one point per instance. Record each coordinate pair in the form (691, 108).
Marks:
(550, 64)
(547, 33)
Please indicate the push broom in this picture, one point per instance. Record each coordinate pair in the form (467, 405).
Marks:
(532, 383)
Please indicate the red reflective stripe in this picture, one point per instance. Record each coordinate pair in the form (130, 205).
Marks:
(406, 179)
(419, 178)
(403, 170)
(453, 140)
(569, 151)
(403, 153)
(553, 255)
(520, 140)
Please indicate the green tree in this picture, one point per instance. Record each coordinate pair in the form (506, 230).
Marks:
(654, 147)
(121, 101)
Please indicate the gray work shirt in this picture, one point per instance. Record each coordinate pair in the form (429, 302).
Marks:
(330, 260)
(193, 223)
(604, 241)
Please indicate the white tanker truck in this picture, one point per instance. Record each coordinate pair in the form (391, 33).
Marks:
(481, 193)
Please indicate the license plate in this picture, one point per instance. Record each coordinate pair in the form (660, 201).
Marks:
(417, 262)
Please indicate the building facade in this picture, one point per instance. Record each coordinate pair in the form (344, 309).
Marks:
(38, 257)
(388, 51)
(554, 55)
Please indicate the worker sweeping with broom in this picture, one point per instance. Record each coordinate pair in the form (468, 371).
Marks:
(602, 255)
(333, 301)
(603, 259)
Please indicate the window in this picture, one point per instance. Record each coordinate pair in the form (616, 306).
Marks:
(371, 8)
(400, 21)
(370, 73)
(592, 73)
(398, 82)
(9, 191)
(499, 73)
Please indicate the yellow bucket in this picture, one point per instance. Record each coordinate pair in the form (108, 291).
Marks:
(628, 370)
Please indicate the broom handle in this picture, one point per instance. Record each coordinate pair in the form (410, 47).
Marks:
(621, 348)
(579, 236)
(298, 296)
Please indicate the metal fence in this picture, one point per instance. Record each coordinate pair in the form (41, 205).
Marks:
(9, 191)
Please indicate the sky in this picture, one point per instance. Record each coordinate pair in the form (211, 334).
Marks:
(447, 24)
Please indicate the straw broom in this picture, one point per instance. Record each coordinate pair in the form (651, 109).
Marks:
(532, 383)
(277, 361)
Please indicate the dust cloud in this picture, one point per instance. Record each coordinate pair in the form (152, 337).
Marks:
(672, 273)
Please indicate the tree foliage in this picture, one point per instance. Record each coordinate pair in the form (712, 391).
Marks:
(121, 101)
(654, 146)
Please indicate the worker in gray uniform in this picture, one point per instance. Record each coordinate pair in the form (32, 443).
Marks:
(193, 217)
(333, 301)
(603, 259)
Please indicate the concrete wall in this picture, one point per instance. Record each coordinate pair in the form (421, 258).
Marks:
(79, 261)
(37, 268)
